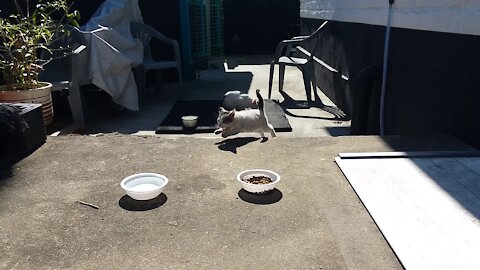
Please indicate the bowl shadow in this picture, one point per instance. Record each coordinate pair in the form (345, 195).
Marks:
(270, 197)
(127, 203)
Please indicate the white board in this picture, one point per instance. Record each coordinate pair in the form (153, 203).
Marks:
(427, 208)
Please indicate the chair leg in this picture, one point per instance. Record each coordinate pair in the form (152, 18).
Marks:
(139, 73)
(180, 79)
(270, 80)
(306, 72)
(75, 102)
(316, 97)
(75, 99)
(158, 81)
(281, 76)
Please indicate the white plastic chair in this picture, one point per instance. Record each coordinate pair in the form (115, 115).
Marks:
(283, 57)
(145, 34)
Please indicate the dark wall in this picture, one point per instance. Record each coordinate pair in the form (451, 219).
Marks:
(349, 48)
(162, 15)
(165, 17)
(432, 83)
(256, 26)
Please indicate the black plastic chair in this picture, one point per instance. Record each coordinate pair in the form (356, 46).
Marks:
(283, 57)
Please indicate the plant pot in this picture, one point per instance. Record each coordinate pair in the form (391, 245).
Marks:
(41, 95)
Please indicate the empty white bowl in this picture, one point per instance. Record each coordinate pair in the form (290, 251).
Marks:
(144, 186)
(189, 120)
(258, 188)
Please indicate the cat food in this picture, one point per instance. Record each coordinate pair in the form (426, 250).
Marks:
(258, 180)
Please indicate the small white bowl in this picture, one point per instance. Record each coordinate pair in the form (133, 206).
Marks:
(144, 186)
(189, 120)
(258, 188)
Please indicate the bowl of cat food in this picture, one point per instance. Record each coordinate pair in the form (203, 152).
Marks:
(189, 121)
(258, 180)
(144, 186)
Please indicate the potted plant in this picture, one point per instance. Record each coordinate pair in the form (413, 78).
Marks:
(23, 36)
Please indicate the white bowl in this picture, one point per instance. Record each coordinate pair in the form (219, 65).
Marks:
(189, 120)
(144, 186)
(258, 188)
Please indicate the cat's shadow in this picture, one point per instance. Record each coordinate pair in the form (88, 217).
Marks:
(232, 144)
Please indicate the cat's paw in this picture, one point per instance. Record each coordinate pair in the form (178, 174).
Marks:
(218, 131)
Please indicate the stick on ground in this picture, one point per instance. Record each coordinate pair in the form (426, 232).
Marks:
(88, 204)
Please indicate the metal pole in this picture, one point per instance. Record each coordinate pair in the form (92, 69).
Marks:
(385, 69)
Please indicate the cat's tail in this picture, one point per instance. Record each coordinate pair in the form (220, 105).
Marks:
(260, 101)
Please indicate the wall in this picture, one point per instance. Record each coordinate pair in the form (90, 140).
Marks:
(256, 26)
(452, 16)
(432, 83)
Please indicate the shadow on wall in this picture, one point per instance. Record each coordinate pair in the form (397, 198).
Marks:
(424, 95)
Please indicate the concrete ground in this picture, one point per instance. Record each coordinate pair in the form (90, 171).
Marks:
(203, 220)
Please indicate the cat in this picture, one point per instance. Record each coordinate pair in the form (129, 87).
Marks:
(238, 101)
(232, 122)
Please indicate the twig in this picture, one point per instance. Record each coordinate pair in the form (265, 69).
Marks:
(88, 204)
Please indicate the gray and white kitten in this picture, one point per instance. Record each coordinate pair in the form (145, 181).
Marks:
(232, 122)
(238, 101)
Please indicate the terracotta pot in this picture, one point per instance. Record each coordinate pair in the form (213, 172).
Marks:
(41, 95)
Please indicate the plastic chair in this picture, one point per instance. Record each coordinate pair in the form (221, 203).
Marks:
(145, 33)
(283, 57)
(62, 69)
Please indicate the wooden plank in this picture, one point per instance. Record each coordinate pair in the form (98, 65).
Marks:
(416, 154)
(427, 208)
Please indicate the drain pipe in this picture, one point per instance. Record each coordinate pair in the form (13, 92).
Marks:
(385, 68)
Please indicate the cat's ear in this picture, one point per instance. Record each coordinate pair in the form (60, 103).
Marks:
(231, 114)
(221, 109)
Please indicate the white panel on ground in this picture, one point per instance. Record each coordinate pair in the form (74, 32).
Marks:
(428, 209)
